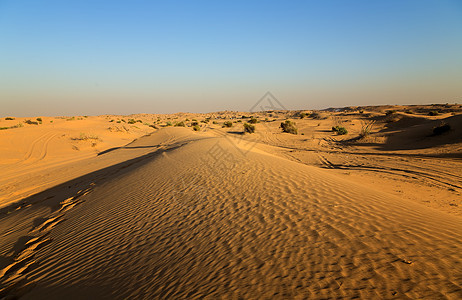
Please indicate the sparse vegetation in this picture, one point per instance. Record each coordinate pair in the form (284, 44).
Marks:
(168, 123)
(366, 128)
(249, 128)
(340, 130)
(10, 127)
(70, 119)
(228, 124)
(253, 120)
(289, 127)
(302, 115)
(196, 127)
(9, 118)
(31, 122)
(316, 115)
(86, 137)
(442, 128)
(180, 124)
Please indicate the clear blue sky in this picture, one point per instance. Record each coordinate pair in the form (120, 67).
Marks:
(97, 57)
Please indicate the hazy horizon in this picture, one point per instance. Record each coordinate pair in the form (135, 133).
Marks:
(89, 58)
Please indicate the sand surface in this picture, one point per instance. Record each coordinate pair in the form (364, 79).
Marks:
(167, 212)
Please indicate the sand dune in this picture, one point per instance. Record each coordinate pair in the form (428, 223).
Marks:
(215, 214)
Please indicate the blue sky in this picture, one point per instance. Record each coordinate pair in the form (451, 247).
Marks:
(97, 57)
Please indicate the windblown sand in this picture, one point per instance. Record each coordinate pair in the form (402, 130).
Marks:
(212, 214)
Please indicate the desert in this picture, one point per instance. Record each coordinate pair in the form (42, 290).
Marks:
(352, 202)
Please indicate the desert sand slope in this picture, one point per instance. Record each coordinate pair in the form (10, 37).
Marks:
(203, 218)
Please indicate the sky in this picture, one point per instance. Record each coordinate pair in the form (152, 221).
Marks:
(122, 57)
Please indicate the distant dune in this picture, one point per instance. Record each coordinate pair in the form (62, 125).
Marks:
(361, 202)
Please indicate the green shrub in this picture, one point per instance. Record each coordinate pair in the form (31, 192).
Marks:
(215, 122)
(434, 113)
(302, 115)
(39, 120)
(196, 128)
(228, 124)
(180, 124)
(289, 127)
(131, 121)
(168, 123)
(340, 130)
(249, 128)
(442, 128)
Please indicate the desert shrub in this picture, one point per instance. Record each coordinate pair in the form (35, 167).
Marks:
(187, 120)
(39, 120)
(228, 124)
(366, 128)
(31, 122)
(433, 113)
(289, 127)
(153, 126)
(302, 115)
(4, 128)
(249, 128)
(442, 128)
(123, 120)
(131, 121)
(111, 121)
(244, 117)
(180, 124)
(70, 119)
(361, 111)
(168, 123)
(215, 122)
(315, 115)
(340, 130)
(194, 120)
(194, 123)
(238, 121)
(253, 120)
(196, 127)
(86, 137)
(139, 121)
(118, 121)
(9, 118)
(266, 120)
(409, 112)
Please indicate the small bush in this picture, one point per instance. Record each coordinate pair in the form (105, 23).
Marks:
(31, 122)
(180, 124)
(249, 128)
(409, 112)
(131, 121)
(434, 113)
(253, 120)
(442, 128)
(194, 123)
(39, 120)
(315, 115)
(228, 124)
(111, 121)
(168, 123)
(9, 118)
(340, 130)
(71, 119)
(361, 111)
(366, 128)
(196, 128)
(289, 127)
(153, 126)
(302, 115)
